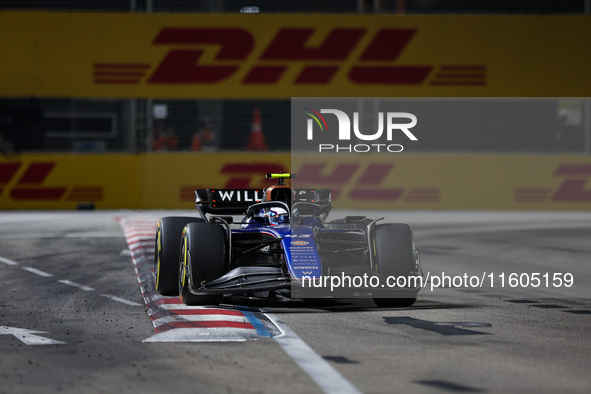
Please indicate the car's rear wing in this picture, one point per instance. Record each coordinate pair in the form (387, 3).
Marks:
(237, 201)
(226, 201)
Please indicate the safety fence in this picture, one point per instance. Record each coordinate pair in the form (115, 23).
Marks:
(303, 6)
(193, 82)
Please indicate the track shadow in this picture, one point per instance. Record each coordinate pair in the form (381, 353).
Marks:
(336, 305)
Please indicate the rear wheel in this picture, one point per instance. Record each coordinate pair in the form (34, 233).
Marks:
(202, 259)
(166, 253)
(394, 255)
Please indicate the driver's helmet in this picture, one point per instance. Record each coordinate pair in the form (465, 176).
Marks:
(278, 216)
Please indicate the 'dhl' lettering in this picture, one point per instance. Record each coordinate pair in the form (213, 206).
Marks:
(387, 45)
(573, 188)
(242, 174)
(29, 186)
(292, 45)
(181, 65)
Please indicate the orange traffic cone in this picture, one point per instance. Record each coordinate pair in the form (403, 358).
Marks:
(257, 141)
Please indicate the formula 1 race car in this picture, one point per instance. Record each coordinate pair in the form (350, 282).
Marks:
(282, 248)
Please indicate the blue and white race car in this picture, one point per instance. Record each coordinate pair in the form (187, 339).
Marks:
(284, 247)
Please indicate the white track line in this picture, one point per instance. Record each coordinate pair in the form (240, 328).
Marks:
(59, 235)
(77, 285)
(29, 337)
(37, 272)
(7, 261)
(67, 282)
(320, 371)
(122, 300)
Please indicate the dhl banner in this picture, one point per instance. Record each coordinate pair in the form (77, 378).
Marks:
(111, 55)
(380, 181)
(442, 181)
(63, 181)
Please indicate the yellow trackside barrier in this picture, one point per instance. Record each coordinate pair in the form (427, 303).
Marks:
(168, 180)
(450, 181)
(93, 55)
(64, 181)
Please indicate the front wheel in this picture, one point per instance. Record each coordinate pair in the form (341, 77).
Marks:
(202, 259)
(395, 255)
(166, 253)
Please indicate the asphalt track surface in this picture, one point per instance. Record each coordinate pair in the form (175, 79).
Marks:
(77, 314)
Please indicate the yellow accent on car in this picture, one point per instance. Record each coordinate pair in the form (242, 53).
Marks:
(184, 259)
(159, 241)
(277, 176)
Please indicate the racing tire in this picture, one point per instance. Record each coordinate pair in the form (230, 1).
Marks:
(394, 255)
(202, 257)
(166, 253)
